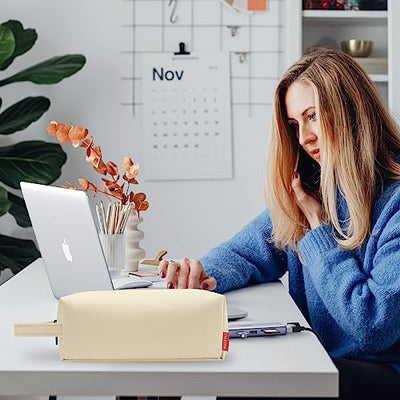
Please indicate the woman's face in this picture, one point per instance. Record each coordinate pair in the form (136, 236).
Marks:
(301, 112)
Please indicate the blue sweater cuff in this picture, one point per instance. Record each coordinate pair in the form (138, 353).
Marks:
(316, 242)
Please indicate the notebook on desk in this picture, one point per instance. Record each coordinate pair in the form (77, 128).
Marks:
(68, 241)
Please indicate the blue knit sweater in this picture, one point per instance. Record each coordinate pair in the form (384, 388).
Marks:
(350, 298)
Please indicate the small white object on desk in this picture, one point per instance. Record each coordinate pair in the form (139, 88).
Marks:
(131, 283)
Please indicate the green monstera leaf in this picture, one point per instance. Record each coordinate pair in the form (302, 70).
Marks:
(50, 71)
(18, 210)
(16, 254)
(31, 161)
(15, 205)
(20, 115)
(5, 203)
(24, 40)
(7, 43)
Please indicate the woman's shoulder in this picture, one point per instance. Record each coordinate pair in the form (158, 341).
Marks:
(391, 189)
(388, 202)
(259, 224)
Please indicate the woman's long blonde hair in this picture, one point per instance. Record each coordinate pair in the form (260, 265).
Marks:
(360, 142)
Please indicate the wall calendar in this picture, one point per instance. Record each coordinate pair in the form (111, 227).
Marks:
(186, 116)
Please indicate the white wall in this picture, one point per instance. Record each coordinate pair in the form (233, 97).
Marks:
(185, 217)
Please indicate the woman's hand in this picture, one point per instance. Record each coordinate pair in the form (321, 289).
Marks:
(310, 206)
(187, 274)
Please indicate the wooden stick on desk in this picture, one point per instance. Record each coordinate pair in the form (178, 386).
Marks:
(156, 260)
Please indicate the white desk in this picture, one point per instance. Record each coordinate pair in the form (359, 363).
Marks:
(291, 365)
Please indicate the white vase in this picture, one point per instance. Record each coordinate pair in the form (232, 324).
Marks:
(133, 252)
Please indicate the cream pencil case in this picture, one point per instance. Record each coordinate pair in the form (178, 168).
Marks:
(138, 325)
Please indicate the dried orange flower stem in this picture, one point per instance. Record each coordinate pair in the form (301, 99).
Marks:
(113, 186)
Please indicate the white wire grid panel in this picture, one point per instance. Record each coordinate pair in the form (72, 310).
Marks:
(206, 26)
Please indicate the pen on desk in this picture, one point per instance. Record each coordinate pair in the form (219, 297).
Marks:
(116, 217)
(107, 220)
(121, 218)
(111, 222)
(100, 219)
(103, 216)
(126, 216)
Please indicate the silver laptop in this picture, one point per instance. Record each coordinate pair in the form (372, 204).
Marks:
(68, 241)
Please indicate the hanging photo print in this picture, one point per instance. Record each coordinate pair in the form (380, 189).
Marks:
(247, 5)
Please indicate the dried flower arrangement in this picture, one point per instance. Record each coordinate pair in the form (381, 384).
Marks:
(114, 218)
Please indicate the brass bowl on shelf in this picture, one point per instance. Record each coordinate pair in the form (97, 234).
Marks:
(357, 48)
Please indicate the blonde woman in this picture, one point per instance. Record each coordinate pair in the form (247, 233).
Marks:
(332, 223)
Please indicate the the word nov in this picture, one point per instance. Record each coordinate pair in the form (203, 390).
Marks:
(167, 74)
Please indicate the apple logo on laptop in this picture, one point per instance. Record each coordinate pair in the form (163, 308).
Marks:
(66, 251)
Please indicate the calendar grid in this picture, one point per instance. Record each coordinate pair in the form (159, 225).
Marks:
(187, 117)
(190, 35)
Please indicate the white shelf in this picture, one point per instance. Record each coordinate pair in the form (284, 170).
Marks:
(339, 18)
(379, 77)
(337, 14)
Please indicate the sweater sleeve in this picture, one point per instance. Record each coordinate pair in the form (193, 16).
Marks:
(248, 258)
(364, 299)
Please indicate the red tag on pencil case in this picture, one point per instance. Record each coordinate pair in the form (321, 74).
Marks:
(225, 341)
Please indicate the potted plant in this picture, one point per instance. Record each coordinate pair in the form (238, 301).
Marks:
(35, 160)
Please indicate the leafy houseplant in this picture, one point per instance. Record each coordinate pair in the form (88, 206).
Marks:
(33, 161)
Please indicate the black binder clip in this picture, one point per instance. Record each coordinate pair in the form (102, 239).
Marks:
(182, 51)
(56, 338)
